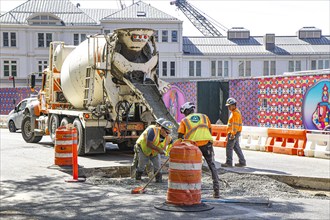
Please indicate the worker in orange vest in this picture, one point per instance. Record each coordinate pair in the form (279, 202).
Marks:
(234, 128)
(197, 127)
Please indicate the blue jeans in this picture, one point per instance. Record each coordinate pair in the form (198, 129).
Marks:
(234, 145)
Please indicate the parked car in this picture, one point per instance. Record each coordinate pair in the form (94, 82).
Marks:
(15, 117)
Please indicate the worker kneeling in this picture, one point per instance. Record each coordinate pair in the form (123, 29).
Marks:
(151, 143)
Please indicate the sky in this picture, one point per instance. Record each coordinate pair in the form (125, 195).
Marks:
(279, 17)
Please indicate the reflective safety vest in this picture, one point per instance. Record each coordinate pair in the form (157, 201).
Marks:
(142, 141)
(197, 128)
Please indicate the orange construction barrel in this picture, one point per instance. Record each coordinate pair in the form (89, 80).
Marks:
(65, 138)
(185, 174)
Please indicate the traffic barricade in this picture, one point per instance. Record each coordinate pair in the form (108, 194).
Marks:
(185, 175)
(318, 145)
(64, 140)
(219, 133)
(286, 141)
(253, 138)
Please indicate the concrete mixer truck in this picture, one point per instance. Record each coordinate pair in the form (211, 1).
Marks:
(107, 87)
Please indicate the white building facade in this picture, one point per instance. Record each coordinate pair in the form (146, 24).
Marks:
(27, 30)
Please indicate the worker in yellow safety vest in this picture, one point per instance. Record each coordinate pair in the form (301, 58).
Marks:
(197, 127)
(134, 165)
(151, 143)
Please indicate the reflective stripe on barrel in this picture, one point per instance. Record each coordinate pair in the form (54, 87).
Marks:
(185, 174)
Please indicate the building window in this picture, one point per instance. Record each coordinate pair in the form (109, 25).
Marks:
(191, 68)
(226, 69)
(244, 68)
(44, 39)
(10, 68)
(198, 68)
(78, 38)
(9, 39)
(269, 68)
(294, 65)
(45, 20)
(213, 68)
(164, 36)
(219, 68)
(172, 69)
(174, 36)
(320, 64)
(156, 36)
(164, 68)
(42, 64)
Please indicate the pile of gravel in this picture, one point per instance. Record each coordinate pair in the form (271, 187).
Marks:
(231, 185)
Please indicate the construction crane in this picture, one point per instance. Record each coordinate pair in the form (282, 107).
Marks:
(197, 19)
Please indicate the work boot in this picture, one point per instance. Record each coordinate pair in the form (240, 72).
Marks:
(216, 194)
(226, 165)
(138, 175)
(240, 165)
(159, 178)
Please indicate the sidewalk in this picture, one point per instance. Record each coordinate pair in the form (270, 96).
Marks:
(306, 169)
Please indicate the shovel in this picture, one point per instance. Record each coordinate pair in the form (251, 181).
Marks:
(141, 189)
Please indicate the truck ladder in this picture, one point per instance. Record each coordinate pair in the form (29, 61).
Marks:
(89, 86)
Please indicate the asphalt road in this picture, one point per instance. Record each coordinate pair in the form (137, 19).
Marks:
(31, 188)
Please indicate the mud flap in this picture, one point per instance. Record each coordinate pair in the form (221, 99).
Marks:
(94, 142)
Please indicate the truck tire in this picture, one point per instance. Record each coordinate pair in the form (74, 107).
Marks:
(80, 137)
(11, 126)
(65, 121)
(54, 123)
(27, 134)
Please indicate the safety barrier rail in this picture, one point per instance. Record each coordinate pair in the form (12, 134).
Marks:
(253, 138)
(219, 134)
(310, 143)
(318, 145)
(286, 141)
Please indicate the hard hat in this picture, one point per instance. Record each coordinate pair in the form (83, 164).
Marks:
(160, 121)
(167, 125)
(231, 101)
(187, 106)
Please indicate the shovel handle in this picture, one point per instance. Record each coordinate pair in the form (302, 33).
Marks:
(145, 186)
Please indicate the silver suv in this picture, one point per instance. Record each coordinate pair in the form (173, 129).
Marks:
(15, 117)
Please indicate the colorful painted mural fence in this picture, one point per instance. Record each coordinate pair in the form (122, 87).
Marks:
(286, 141)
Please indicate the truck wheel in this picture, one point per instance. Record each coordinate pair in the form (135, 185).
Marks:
(54, 123)
(11, 126)
(80, 137)
(27, 133)
(65, 121)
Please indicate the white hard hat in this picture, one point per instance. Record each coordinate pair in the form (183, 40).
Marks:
(231, 101)
(187, 106)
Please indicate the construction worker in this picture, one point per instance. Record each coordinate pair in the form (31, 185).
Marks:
(234, 128)
(134, 165)
(151, 143)
(197, 127)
